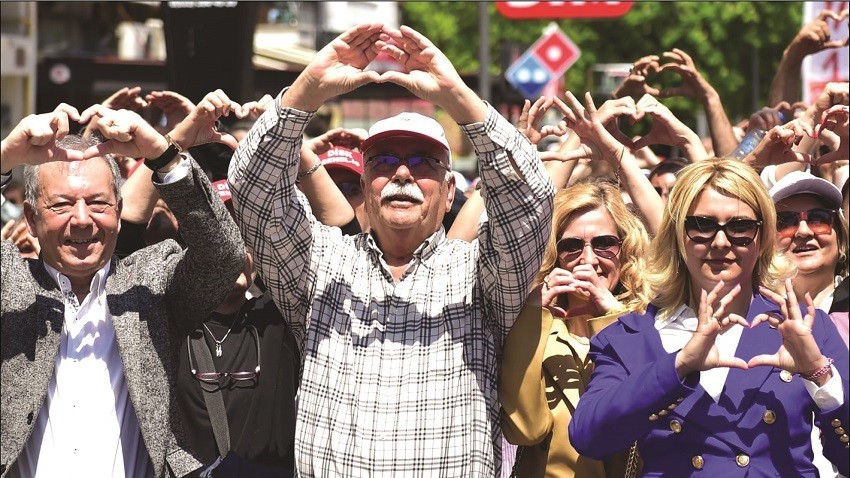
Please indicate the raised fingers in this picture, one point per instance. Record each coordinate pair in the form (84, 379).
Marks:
(642, 65)
(720, 311)
(523, 117)
(683, 56)
(588, 100)
(569, 116)
(777, 299)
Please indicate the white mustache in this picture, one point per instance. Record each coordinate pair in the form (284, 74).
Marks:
(410, 190)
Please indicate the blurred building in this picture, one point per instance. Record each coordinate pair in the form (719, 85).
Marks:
(17, 63)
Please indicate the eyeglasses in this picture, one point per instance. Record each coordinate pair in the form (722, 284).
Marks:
(739, 232)
(350, 188)
(417, 164)
(819, 220)
(215, 377)
(603, 246)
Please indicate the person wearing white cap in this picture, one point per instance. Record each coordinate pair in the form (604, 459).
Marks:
(401, 327)
(812, 233)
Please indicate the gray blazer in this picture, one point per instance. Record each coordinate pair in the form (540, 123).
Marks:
(156, 297)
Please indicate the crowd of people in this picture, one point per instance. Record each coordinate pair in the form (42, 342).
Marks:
(180, 298)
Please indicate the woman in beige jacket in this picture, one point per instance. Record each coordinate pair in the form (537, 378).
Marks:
(591, 274)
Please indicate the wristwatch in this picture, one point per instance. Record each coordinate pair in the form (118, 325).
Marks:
(163, 159)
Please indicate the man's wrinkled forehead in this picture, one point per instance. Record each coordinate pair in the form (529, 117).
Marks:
(70, 174)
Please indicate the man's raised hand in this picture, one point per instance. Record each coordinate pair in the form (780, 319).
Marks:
(200, 126)
(430, 75)
(33, 140)
(337, 68)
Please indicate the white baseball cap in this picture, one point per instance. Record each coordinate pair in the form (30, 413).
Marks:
(800, 182)
(408, 124)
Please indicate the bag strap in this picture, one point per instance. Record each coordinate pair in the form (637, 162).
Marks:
(212, 395)
(516, 461)
(632, 463)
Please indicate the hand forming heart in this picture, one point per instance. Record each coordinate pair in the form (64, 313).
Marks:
(531, 120)
(664, 128)
(33, 140)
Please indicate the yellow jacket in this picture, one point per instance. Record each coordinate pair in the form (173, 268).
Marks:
(544, 371)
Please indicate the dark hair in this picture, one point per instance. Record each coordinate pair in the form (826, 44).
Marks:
(669, 165)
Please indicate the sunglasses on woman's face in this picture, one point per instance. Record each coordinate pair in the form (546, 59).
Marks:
(603, 246)
(819, 220)
(739, 232)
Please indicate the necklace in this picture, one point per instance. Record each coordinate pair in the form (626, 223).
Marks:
(219, 342)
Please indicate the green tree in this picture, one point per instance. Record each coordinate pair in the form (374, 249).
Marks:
(731, 42)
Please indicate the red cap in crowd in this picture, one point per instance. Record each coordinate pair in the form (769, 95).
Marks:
(342, 158)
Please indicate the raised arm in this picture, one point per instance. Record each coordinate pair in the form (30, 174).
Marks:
(516, 190)
(695, 86)
(192, 129)
(198, 278)
(812, 38)
(530, 124)
(597, 144)
(275, 223)
(326, 200)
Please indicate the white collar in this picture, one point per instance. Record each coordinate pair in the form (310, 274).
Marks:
(98, 281)
(679, 314)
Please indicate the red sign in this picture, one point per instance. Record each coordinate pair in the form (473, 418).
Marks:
(556, 51)
(527, 10)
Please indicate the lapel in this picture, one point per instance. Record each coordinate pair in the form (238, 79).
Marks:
(124, 314)
(638, 348)
(51, 305)
(49, 320)
(720, 419)
(562, 368)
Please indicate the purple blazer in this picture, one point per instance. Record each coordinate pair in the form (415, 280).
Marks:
(761, 425)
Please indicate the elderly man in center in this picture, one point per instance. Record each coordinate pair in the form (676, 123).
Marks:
(401, 328)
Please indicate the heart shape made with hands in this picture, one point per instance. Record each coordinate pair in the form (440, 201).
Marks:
(633, 128)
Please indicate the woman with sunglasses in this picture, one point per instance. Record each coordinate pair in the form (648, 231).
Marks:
(812, 234)
(704, 386)
(591, 274)
(813, 237)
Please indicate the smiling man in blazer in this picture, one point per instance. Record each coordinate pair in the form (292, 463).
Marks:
(88, 341)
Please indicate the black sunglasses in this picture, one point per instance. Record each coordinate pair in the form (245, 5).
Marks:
(739, 232)
(215, 377)
(819, 220)
(604, 246)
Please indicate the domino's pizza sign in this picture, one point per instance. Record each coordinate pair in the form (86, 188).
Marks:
(546, 60)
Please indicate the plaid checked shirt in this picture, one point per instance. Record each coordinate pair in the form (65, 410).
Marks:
(398, 379)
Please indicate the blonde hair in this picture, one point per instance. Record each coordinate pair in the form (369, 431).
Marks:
(668, 275)
(588, 196)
